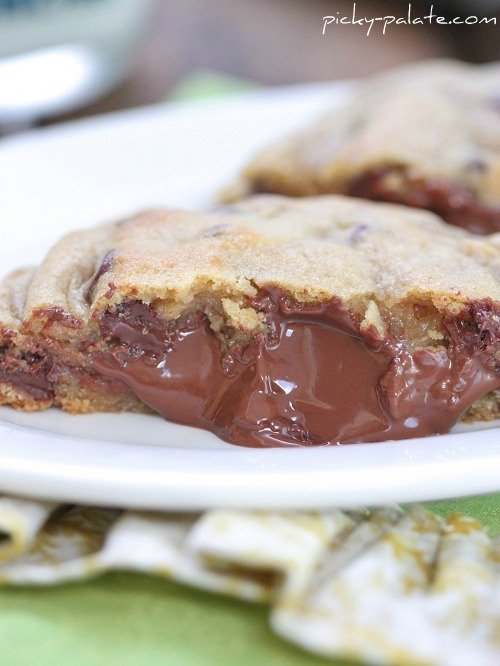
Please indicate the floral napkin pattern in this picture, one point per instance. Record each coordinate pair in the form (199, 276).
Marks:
(385, 586)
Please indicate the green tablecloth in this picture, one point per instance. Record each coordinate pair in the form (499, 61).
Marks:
(129, 619)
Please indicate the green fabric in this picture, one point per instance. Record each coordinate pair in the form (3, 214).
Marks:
(136, 620)
(204, 84)
(486, 509)
(129, 619)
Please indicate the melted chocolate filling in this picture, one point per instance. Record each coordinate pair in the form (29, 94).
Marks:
(312, 379)
(454, 202)
(28, 372)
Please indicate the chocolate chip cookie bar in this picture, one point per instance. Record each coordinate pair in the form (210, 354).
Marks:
(273, 321)
(425, 136)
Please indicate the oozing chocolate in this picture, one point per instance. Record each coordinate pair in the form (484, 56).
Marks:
(312, 379)
(454, 202)
(28, 372)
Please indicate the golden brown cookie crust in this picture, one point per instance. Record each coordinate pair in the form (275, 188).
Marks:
(393, 268)
(428, 126)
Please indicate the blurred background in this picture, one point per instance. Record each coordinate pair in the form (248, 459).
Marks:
(70, 58)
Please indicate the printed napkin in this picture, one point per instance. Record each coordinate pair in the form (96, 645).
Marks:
(385, 586)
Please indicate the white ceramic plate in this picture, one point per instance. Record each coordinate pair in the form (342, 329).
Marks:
(75, 175)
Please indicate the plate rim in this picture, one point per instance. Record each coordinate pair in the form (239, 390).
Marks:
(164, 478)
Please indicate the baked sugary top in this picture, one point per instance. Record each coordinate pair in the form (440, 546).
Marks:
(436, 119)
(372, 256)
